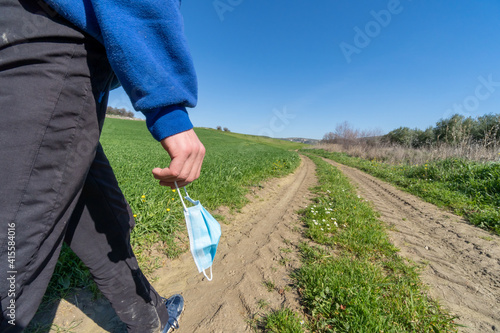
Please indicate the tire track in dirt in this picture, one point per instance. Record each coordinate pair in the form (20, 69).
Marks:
(462, 261)
(256, 253)
(249, 255)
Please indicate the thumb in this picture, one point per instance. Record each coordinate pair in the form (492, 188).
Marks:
(159, 173)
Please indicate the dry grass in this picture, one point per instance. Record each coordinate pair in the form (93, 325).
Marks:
(473, 139)
(395, 154)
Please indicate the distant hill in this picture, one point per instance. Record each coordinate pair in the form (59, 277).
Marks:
(302, 140)
(123, 117)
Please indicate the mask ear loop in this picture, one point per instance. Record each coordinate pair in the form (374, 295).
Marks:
(187, 197)
(211, 274)
(180, 196)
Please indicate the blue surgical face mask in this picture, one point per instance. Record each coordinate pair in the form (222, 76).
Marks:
(204, 234)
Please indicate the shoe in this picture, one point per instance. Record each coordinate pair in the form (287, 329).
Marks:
(175, 306)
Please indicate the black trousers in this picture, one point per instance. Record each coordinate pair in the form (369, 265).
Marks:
(55, 181)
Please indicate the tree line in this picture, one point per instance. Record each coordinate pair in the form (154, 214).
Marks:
(454, 131)
(119, 112)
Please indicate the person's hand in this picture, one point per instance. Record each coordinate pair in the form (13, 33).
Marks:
(187, 153)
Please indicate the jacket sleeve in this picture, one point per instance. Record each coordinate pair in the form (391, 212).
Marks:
(148, 52)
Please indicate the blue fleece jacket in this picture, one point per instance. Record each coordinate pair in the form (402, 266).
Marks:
(148, 52)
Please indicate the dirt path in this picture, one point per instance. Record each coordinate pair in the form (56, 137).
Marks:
(257, 252)
(250, 255)
(250, 275)
(463, 262)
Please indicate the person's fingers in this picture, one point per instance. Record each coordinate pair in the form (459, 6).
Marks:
(187, 154)
(172, 184)
(194, 165)
(181, 168)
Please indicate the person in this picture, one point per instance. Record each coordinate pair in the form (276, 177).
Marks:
(58, 61)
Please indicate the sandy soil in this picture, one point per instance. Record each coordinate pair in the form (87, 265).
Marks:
(258, 250)
(256, 253)
(462, 261)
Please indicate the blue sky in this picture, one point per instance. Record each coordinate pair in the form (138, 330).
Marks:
(297, 69)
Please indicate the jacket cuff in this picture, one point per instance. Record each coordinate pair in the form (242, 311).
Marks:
(167, 121)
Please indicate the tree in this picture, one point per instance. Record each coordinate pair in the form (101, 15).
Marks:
(119, 112)
(346, 135)
(328, 138)
(424, 138)
(454, 130)
(403, 136)
(487, 129)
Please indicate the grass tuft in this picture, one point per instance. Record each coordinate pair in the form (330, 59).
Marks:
(283, 321)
